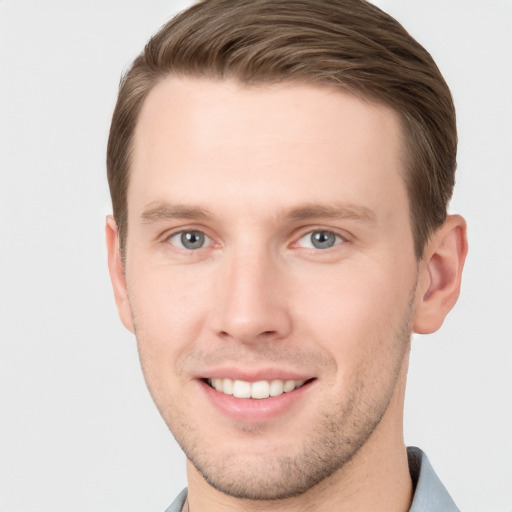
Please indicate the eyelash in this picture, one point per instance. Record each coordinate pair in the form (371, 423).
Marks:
(189, 232)
(338, 239)
(179, 244)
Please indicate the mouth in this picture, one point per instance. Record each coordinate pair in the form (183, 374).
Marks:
(257, 390)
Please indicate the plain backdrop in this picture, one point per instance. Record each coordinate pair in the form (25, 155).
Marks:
(78, 430)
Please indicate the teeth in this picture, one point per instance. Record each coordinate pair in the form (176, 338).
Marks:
(288, 385)
(276, 388)
(218, 384)
(258, 390)
(226, 386)
(241, 389)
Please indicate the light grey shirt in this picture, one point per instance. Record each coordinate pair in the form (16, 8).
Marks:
(430, 495)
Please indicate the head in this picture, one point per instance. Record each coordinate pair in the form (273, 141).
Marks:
(280, 173)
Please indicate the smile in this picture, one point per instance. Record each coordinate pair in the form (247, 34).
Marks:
(258, 390)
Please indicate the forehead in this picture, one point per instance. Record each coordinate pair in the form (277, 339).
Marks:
(198, 140)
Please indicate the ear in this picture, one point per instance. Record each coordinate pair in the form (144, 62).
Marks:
(117, 276)
(440, 275)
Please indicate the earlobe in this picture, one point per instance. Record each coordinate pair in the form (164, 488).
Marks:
(117, 275)
(440, 275)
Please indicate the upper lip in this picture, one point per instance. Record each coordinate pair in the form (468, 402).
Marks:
(254, 375)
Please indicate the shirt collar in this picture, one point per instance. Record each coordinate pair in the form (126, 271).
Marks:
(430, 494)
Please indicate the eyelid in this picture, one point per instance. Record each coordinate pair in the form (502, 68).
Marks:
(341, 238)
(166, 238)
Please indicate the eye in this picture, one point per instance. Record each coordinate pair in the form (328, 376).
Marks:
(190, 240)
(320, 240)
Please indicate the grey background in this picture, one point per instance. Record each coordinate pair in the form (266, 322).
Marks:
(78, 431)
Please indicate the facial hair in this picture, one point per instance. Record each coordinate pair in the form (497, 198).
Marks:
(339, 430)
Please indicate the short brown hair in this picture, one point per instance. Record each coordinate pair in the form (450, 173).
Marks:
(350, 44)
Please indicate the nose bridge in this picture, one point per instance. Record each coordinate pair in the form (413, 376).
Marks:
(252, 299)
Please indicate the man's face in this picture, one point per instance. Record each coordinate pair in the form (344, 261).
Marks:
(270, 252)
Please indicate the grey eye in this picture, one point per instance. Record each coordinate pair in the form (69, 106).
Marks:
(320, 240)
(190, 240)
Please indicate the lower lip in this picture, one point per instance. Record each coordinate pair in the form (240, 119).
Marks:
(253, 410)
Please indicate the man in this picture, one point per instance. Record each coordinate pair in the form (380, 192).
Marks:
(280, 173)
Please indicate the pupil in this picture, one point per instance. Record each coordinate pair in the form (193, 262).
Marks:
(192, 239)
(322, 239)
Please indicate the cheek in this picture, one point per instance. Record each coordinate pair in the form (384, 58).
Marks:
(169, 309)
(356, 309)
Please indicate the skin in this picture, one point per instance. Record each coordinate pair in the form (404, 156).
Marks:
(257, 170)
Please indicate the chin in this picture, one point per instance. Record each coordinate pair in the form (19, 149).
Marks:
(275, 471)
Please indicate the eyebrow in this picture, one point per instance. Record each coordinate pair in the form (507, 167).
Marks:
(163, 210)
(331, 211)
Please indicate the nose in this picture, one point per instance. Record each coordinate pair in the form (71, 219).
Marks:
(253, 304)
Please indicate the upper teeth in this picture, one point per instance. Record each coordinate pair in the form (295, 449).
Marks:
(260, 389)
